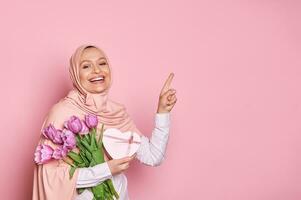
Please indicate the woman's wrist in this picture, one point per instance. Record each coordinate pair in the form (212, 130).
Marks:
(161, 110)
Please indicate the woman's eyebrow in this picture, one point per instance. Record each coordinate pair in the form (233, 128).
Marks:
(84, 61)
(101, 58)
(89, 60)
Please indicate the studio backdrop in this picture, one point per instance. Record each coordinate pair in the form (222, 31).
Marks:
(235, 130)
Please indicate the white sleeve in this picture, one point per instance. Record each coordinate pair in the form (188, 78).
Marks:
(92, 176)
(151, 152)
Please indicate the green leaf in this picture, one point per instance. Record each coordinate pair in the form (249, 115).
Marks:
(93, 139)
(111, 186)
(79, 144)
(87, 146)
(108, 193)
(88, 156)
(87, 138)
(98, 156)
(83, 156)
(82, 165)
(92, 163)
(71, 171)
(75, 157)
(98, 191)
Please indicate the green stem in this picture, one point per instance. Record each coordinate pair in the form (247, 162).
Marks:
(111, 186)
(101, 134)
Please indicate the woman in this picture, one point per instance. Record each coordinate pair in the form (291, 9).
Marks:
(91, 75)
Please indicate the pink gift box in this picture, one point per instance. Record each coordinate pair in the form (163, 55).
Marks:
(120, 144)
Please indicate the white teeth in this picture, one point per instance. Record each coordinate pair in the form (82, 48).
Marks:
(97, 79)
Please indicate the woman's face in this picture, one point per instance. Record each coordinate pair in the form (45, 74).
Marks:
(94, 72)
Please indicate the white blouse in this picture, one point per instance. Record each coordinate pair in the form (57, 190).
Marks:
(151, 152)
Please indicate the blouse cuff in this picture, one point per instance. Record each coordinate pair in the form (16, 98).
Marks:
(91, 176)
(162, 119)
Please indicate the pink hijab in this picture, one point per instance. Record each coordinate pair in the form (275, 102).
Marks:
(51, 180)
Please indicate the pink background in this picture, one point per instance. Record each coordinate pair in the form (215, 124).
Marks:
(236, 127)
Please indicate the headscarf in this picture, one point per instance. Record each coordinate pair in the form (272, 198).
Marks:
(110, 113)
(51, 180)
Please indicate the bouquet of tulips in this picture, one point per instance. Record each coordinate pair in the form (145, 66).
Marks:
(81, 134)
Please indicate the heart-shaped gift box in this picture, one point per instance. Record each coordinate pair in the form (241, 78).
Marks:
(120, 144)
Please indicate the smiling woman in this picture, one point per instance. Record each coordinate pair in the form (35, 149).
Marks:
(94, 71)
(91, 75)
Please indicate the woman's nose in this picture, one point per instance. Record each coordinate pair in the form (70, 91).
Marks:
(96, 69)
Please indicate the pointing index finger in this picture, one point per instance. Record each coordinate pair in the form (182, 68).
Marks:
(167, 83)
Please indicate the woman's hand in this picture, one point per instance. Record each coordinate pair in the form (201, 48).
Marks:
(167, 98)
(120, 165)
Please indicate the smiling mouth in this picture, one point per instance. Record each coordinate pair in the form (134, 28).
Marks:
(99, 79)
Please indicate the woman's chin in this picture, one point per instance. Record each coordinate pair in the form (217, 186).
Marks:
(98, 89)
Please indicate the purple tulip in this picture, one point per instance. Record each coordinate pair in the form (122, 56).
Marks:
(43, 153)
(60, 152)
(74, 124)
(68, 139)
(85, 129)
(50, 132)
(91, 120)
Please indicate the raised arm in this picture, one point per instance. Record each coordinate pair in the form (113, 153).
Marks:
(151, 151)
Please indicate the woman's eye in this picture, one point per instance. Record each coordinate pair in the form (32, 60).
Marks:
(103, 63)
(85, 66)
